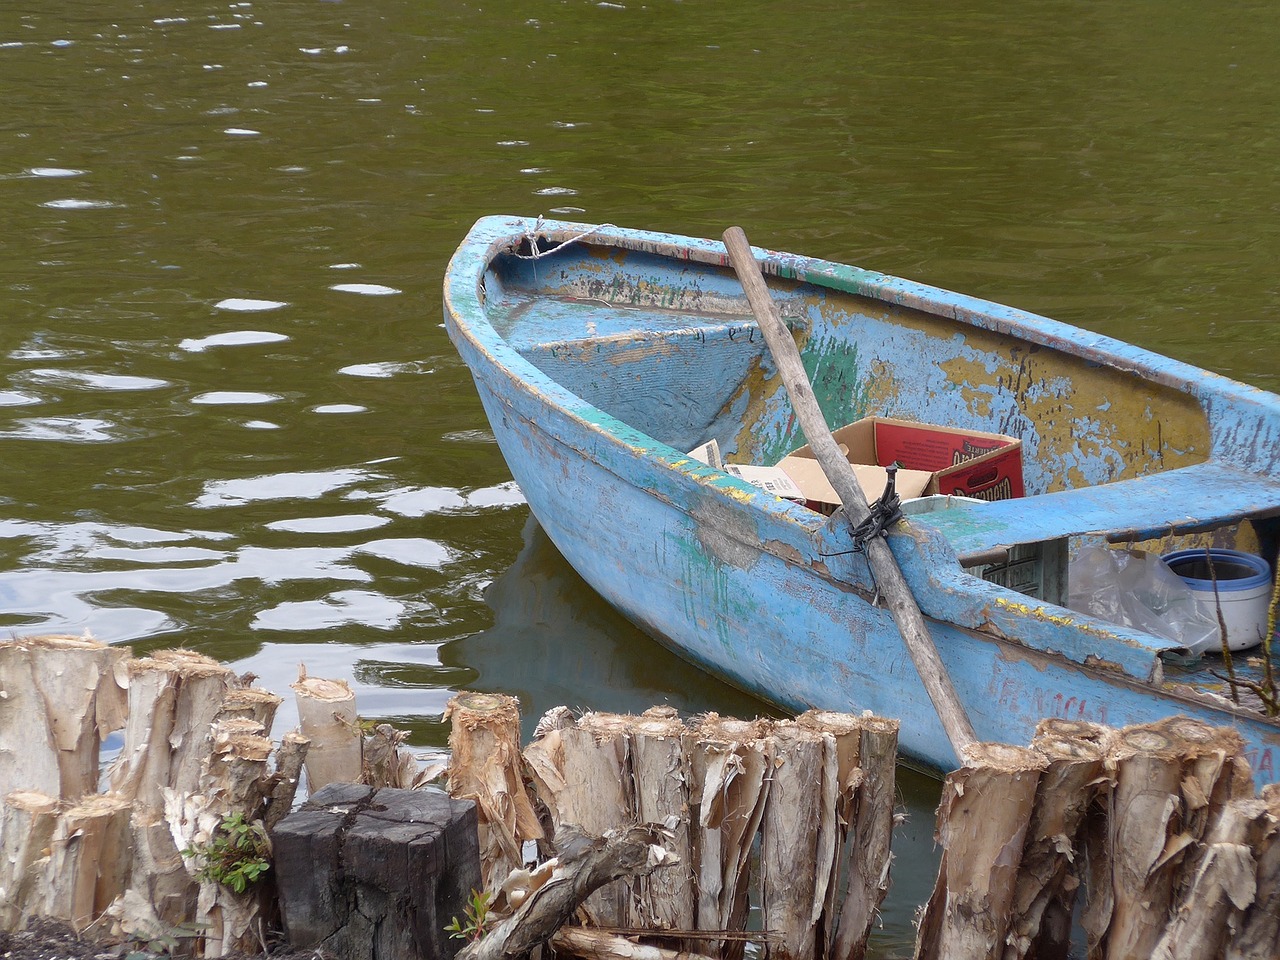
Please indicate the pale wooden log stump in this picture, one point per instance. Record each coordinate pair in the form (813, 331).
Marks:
(203, 684)
(797, 838)
(1173, 779)
(72, 885)
(1259, 935)
(729, 768)
(1040, 925)
(486, 766)
(251, 703)
(597, 800)
(1223, 886)
(845, 732)
(282, 785)
(868, 854)
(59, 698)
(982, 825)
(368, 874)
(141, 769)
(26, 833)
(660, 788)
(327, 717)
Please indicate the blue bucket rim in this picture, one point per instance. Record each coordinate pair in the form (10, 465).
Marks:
(1261, 574)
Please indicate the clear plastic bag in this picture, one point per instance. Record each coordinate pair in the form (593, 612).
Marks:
(1136, 589)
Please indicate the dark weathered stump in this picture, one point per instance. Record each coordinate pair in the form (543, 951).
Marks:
(369, 874)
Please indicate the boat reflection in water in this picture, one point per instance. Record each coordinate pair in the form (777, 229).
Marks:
(555, 641)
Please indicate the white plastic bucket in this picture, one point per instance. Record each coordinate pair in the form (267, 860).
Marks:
(1243, 588)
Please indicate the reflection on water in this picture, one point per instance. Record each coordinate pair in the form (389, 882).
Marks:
(229, 415)
(555, 643)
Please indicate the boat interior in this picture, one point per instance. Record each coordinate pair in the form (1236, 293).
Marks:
(1119, 446)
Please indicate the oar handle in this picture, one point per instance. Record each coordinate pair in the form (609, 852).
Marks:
(893, 586)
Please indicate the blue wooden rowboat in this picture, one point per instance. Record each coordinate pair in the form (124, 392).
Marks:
(602, 354)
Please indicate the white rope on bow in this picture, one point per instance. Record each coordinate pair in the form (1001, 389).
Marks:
(532, 237)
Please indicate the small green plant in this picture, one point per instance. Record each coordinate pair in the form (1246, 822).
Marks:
(475, 922)
(236, 856)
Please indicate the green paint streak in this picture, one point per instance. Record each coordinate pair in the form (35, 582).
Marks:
(833, 368)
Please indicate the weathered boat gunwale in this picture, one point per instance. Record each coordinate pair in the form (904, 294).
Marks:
(549, 414)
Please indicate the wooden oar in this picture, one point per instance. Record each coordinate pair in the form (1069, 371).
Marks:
(893, 587)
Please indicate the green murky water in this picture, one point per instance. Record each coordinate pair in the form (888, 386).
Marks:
(230, 419)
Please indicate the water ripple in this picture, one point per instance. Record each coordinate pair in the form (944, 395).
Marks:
(56, 172)
(224, 397)
(343, 524)
(236, 338)
(368, 289)
(96, 381)
(73, 204)
(342, 608)
(303, 485)
(382, 370)
(65, 429)
(248, 304)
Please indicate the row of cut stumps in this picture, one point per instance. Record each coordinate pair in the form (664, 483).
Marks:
(645, 837)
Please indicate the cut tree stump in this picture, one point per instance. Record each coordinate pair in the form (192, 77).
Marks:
(660, 788)
(61, 697)
(868, 795)
(1040, 925)
(368, 874)
(729, 769)
(26, 833)
(983, 817)
(797, 838)
(327, 717)
(1259, 934)
(485, 766)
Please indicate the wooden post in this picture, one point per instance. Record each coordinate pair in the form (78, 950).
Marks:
(845, 732)
(62, 696)
(660, 790)
(729, 765)
(868, 856)
(1258, 937)
(797, 839)
(203, 684)
(1040, 925)
(486, 767)
(26, 833)
(1223, 886)
(982, 825)
(282, 785)
(367, 874)
(252, 703)
(889, 579)
(141, 770)
(70, 886)
(327, 717)
(384, 763)
(1130, 885)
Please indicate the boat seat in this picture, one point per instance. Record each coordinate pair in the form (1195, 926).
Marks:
(1185, 500)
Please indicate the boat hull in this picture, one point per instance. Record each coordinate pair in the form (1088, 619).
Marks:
(734, 585)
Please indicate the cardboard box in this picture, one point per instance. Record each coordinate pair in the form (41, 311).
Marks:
(932, 460)
(819, 495)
